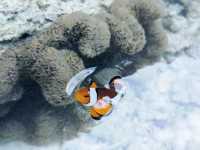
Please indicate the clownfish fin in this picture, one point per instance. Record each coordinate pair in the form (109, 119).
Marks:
(94, 115)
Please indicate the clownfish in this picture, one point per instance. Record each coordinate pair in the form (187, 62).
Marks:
(98, 99)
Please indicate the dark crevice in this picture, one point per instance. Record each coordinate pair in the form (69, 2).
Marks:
(18, 39)
(24, 36)
(101, 61)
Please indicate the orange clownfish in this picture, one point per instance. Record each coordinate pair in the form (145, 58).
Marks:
(97, 98)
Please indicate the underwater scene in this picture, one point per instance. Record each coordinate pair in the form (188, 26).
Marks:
(99, 74)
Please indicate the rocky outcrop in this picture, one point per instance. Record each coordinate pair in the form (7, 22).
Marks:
(34, 73)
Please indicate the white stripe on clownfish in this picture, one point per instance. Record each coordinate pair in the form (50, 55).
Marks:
(93, 97)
